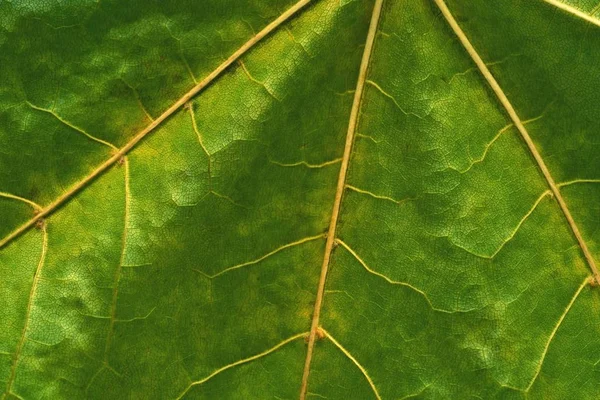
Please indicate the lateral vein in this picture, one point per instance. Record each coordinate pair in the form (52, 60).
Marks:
(33, 204)
(553, 333)
(341, 184)
(244, 361)
(355, 361)
(269, 254)
(117, 277)
(387, 279)
(72, 126)
(32, 292)
(166, 114)
(522, 130)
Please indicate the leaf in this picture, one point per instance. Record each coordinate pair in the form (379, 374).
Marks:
(325, 199)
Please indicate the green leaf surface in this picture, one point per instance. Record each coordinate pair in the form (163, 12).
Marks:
(262, 199)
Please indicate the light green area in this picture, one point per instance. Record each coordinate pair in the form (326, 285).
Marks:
(189, 269)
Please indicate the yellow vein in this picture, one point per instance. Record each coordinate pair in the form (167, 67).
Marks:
(240, 362)
(553, 333)
(307, 164)
(72, 126)
(341, 184)
(269, 254)
(524, 134)
(36, 206)
(390, 281)
(117, 277)
(574, 11)
(253, 79)
(514, 231)
(166, 114)
(355, 361)
(32, 292)
(392, 98)
(486, 149)
(190, 107)
(575, 181)
(377, 196)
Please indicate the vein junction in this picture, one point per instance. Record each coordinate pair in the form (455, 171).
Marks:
(503, 99)
(72, 126)
(33, 204)
(269, 254)
(240, 362)
(155, 122)
(341, 184)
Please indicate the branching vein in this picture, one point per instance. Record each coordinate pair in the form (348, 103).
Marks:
(355, 361)
(553, 333)
(166, 114)
(307, 164)
(376, 196)
(578, 181)
(522, 130)
(389, 280)
(33, 204)
(72, 126)
(514, 231)
(341, 184)
(269, 254)
(240, 362)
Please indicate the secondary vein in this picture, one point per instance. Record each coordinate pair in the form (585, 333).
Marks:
(522, 130)
(155, 123)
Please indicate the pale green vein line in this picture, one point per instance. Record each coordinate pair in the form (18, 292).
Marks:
(377, 196)
(390, 281)
(253, 79)
(574, 11)
(386, 94)
(224, 197)
(553, 333)
(137, 318)
(72, 126)
(486, 149)
(392, 98)
(355, 361)
(576, 181)
(522, 221)
(36, 206)
(307, 164)
(269, 254)
(240, 362)
(116, 280)
(118, 270)
(512, 234)
(138, 98)
(32, 292)
(190, 108)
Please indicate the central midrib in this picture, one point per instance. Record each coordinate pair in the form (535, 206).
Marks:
(341, 184)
